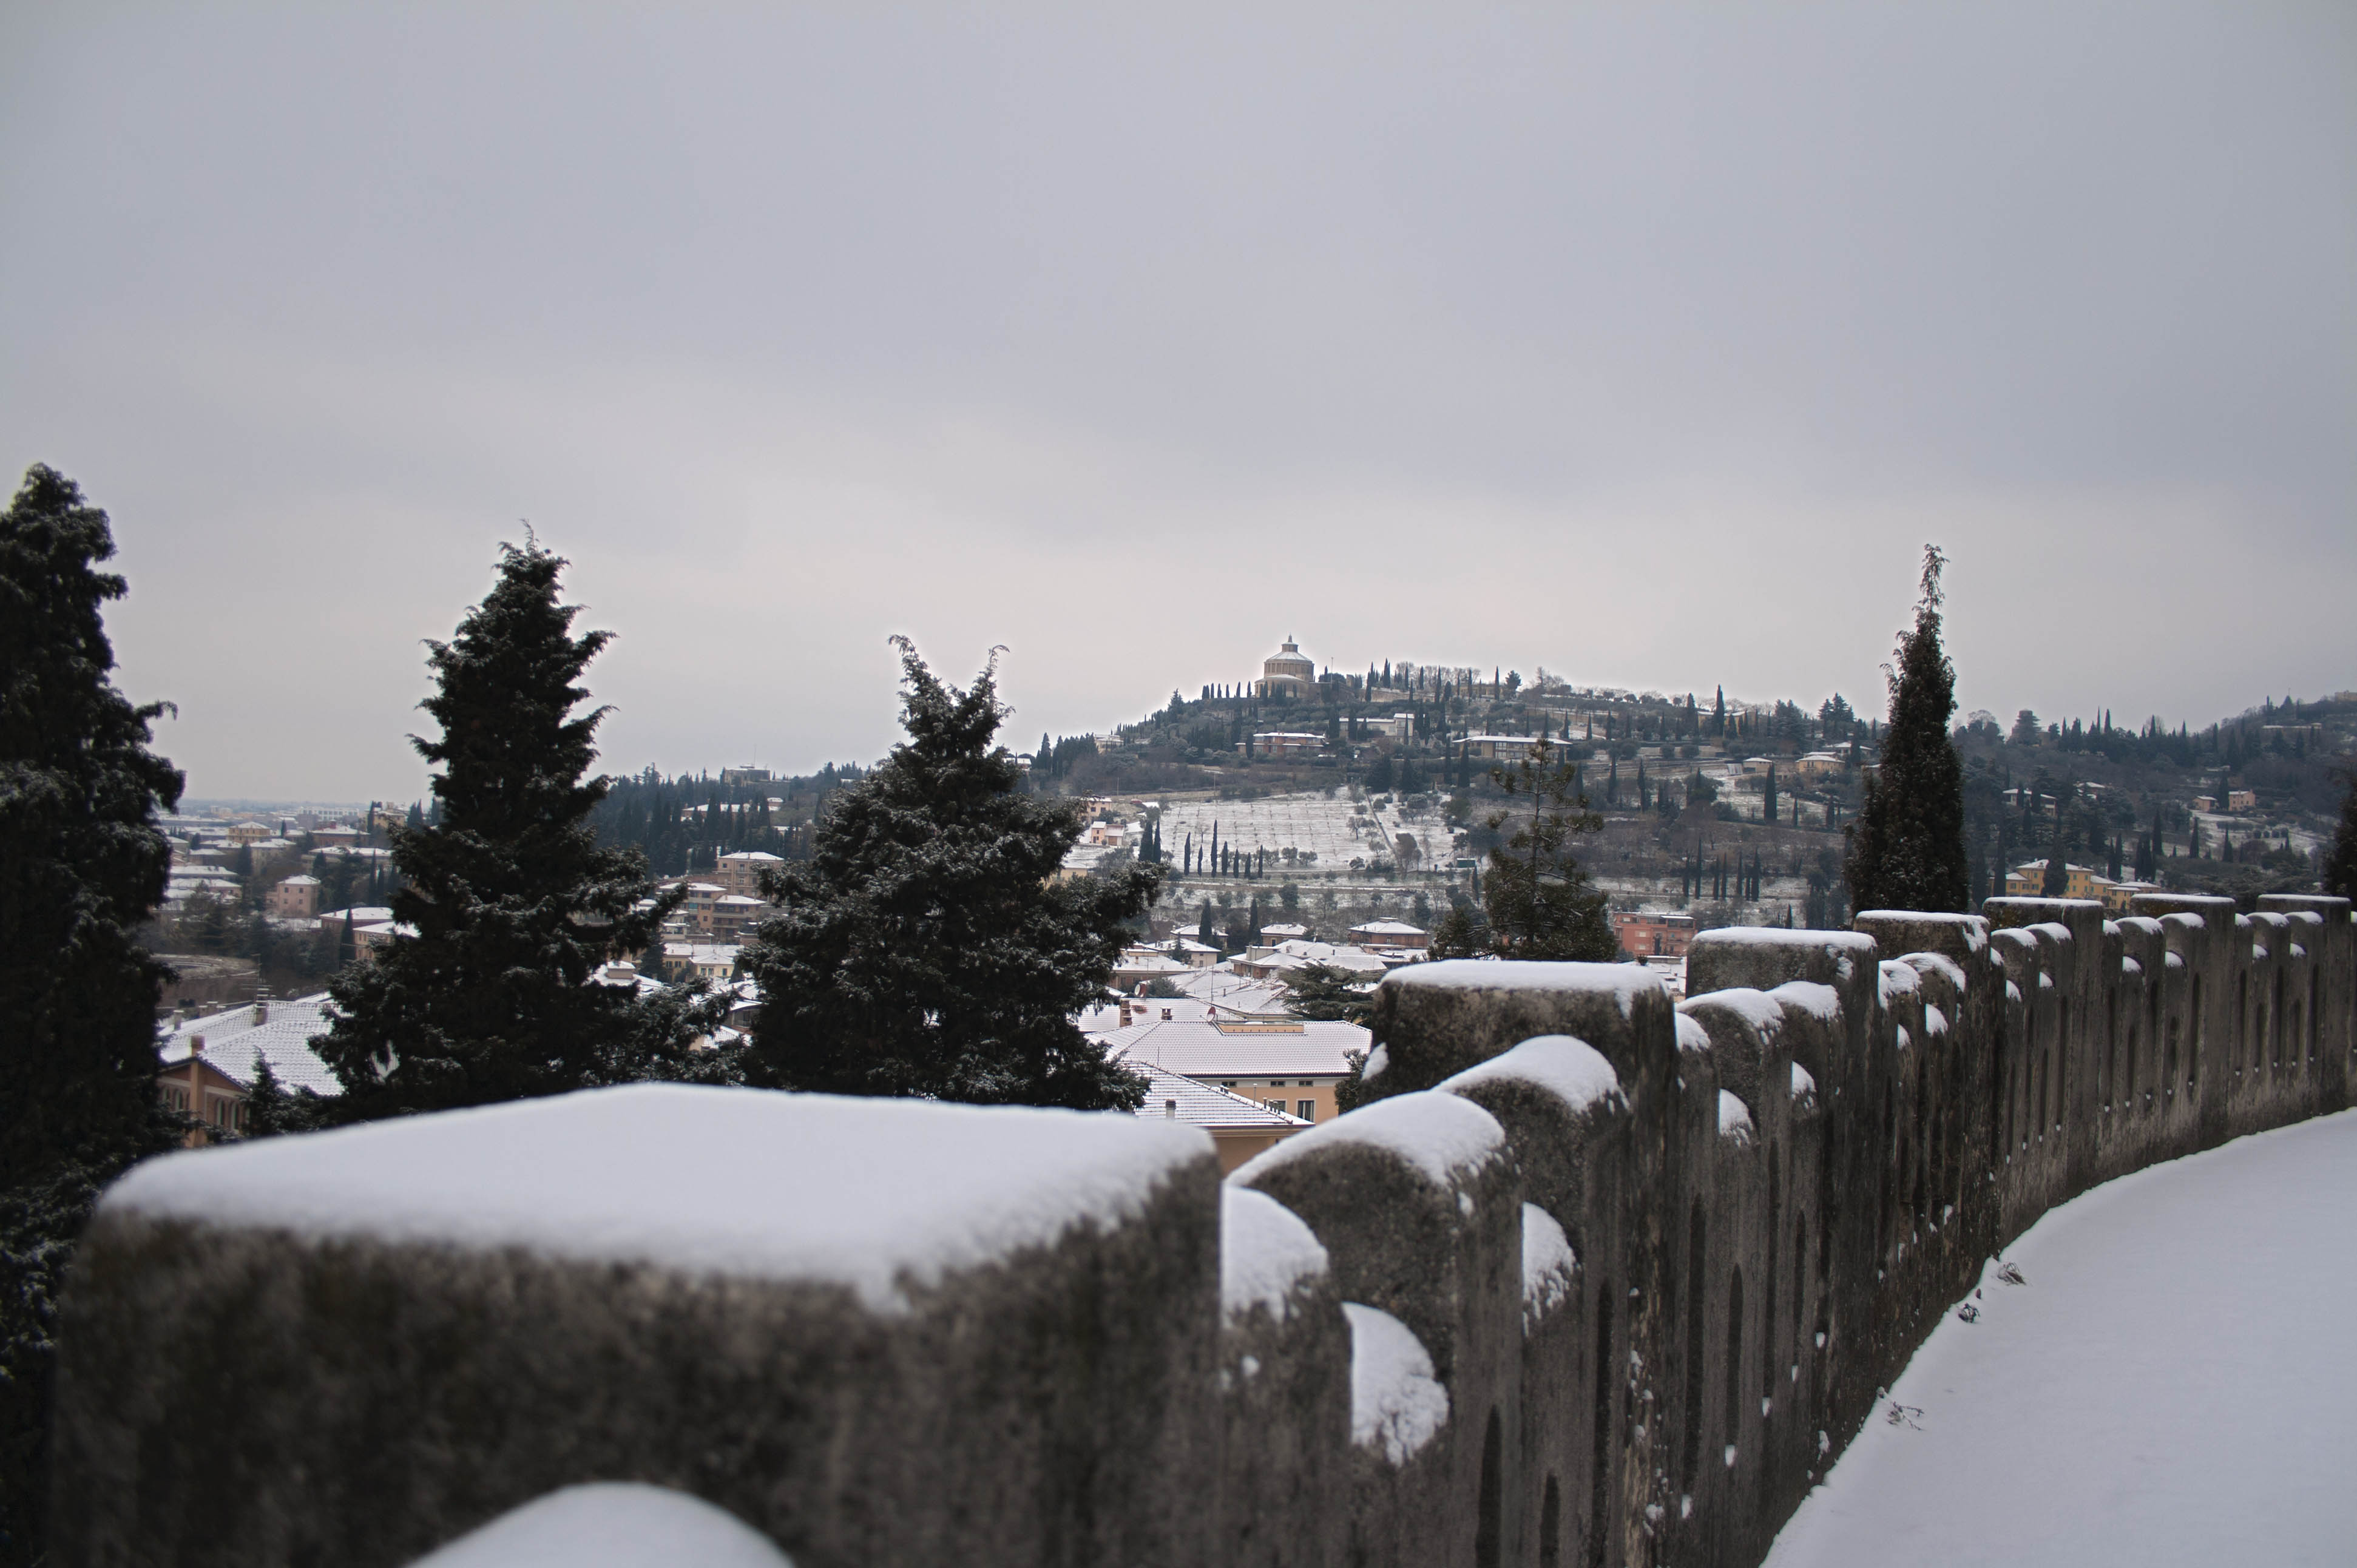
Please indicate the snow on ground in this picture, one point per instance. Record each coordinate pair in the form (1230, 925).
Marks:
(2175, 1383)
(1319, 824)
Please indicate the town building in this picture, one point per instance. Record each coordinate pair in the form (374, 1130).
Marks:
(1239, 1127)
(296, 898)
(1397, 935)
(1498, 747)
(1644, 934)
(739, 872)
(211, 1064)
(713, 961)
(2028, 881)
(1286, 743)
(1291, 1064)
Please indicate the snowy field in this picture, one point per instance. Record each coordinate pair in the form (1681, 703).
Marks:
(2175, 1383)
(1314, 822)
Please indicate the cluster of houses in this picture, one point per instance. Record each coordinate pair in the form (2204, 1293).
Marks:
(2027, 880)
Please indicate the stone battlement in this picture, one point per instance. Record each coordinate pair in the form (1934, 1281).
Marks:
(1592, 1279)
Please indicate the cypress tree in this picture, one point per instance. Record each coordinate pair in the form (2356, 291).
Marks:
(1907, 848)
(81, 865)
(512, 902)
(927, 948)
(1768, 796)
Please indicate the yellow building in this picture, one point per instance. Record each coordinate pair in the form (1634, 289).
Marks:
(2028, 881)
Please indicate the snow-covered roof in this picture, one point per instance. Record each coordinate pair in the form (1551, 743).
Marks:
(1206, 1050)
(889, 1194)
(234, 1042)
(1387, 928)
(1174, 1097)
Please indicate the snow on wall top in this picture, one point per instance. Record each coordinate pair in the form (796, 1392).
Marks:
(1896, 978)
(1849, 947)
(2052, 930)
(1396, 1404)
(1624, 983)
(1923, 962)
(2144, 923)
(1266, 1250)
(1820, 1002)
(1440, 1135)
(1854, 942)
(1802, 1083)
(1935, 1022)
(1734, 1116)
(611, 1524)
(1550, 1268)
(1756, 1008)
(1571, 1069)
(886, 1191)
(1975, 927)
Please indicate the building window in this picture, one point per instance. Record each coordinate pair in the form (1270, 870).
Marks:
(1306, 1108)
(1277, 1106)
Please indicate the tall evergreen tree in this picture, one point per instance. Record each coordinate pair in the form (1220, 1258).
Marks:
(511, 902)
(927, 948)
(1322, 991)
(1537, 895)
(2341, 861)
(1907, 848)
(81, 865)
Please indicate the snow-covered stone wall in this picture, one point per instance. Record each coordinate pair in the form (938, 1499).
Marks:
(1591, 1279)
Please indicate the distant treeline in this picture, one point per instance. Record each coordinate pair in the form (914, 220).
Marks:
(686, 822)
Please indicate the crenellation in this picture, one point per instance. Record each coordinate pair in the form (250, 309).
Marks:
(1590, 1279)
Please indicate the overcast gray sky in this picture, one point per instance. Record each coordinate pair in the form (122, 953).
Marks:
(1646, 343)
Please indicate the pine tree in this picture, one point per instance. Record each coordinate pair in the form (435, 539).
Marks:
(927, 948)
(82, 864)
(1537, 894)
(511, 902)
(1907, 848)
(2341, 861)
(1322, 991)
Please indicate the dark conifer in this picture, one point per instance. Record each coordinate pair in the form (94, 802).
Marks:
(81, 865)
(510, 904)
(1322, 991)
(928, 946)
(1907, 848)
(1537, 895)
(2341, 861)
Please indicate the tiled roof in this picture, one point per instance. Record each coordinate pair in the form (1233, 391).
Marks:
(1173, 1097)
(234, 1042)
(1202, 1050)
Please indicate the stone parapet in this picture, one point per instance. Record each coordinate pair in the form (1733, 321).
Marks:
(1587, 1279)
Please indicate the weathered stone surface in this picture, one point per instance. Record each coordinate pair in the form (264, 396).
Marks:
(1652, 1263)
(235, 1393)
